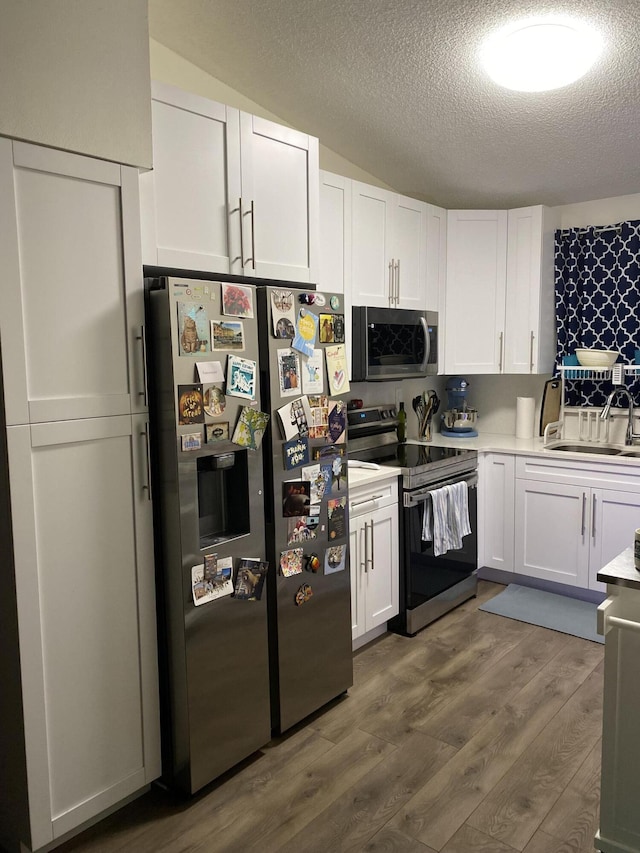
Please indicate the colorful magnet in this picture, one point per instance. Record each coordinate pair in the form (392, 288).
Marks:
(313, 563)
(303, 594)
(335, 302)
(191, 441)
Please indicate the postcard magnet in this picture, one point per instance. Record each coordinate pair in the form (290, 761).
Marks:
(303, 594)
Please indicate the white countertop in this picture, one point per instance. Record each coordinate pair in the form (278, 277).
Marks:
(621, 571)
(364, 476)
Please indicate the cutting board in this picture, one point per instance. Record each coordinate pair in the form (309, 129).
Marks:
(551, 402)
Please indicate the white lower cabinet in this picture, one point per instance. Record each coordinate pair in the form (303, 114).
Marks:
(496, 516)
(567, 526)
(374, 555)
(619, 621)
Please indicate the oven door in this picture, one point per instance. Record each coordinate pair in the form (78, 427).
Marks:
(431, 585)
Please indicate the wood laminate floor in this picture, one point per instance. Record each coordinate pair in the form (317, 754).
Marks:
(479, 734)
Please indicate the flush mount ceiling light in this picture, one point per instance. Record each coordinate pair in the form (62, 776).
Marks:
(539, 54)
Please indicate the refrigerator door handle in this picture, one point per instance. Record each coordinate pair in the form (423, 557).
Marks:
(141, 336)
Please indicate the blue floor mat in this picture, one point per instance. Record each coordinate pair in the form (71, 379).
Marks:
(558, 612)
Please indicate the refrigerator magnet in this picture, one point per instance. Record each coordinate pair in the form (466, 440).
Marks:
(288, 373)
(335, 559)
(335, 302)
(326, 329)
(291, 562)
(295, 497)
(313, 563)
(337, 369)
(306, 332)
(337, 518)
(241, 377)
(190, 405)
(283, 316)
(214, 401)
(216, 432)
(303, 594)
(237, 301)
(193, 329)
(250, 428)
(191, 441)
(313, 373)
(227, 335)
(296, 452)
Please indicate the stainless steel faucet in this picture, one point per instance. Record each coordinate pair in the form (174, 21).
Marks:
(631, 436)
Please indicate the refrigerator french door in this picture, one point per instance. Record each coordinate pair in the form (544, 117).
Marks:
(208, 494)
(310, 641)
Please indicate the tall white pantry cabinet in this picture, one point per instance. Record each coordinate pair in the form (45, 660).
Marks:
(79, 720)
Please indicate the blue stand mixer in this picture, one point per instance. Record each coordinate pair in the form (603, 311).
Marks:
(458, 421)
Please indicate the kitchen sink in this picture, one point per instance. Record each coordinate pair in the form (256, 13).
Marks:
(600, 449)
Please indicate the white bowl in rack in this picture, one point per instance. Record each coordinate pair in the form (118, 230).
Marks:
(597, 357)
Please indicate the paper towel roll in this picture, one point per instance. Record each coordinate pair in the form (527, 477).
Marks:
(525, 415)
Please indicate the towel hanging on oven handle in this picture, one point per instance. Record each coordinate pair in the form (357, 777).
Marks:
(417, 497)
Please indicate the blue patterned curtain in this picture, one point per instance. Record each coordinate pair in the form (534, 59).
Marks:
(597, 284)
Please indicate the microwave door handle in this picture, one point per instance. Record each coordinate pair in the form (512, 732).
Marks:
(427, 344)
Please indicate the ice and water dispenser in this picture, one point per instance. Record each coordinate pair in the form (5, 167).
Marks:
(223, 497)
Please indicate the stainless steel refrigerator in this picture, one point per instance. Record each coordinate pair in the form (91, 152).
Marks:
(309, 640)
(208, 500)
(236, 666)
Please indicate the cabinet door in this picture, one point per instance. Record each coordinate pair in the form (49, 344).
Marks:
(372, 270)
(552, 532)
(436, 262)
(614, 518)
(71, 303)
(86, 606)
(410, 252)
(475, 291)
(356, 560)
(191, 200)
(280, 200)
(496, 513)
(382, 566)
(335, 233)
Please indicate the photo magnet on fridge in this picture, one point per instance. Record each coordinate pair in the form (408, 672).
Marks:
(250, 579)
(217, 432)
(306, 332)
(338, 328)
(313, 373)
(283, 316)
(337, 518)
(190, 405)
(335, 559)
(337, 422)
(326, 329)
(288, 373)
(296, 498)
(193, 328)
(241, 377)
(291, 562)
(214, 401)
(227, 334)
(237, 301)
(296, 452)
(295, 417)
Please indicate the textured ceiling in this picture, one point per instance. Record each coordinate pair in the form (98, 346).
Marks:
(394, 86)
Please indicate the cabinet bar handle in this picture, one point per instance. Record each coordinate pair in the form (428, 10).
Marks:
(391, 283)
(584, 505)
(241, 233)
(143, 344)
(397, 282)
(593, 518)
(251, 213)
(363, 562)
(531, 354)
(371, 552)
(501, 351)
(147, 455)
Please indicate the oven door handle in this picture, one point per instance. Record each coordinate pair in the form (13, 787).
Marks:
(414, 498)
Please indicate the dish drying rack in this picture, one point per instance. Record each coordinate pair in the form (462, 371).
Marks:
(590, 427)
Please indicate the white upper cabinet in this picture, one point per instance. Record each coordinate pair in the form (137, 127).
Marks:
(475, 291)
(499, 304)
(71, 304)
(530, 335)
(335, 233)
(229, 192)
(389, 249)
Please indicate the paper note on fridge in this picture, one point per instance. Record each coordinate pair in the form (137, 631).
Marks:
(210, 371)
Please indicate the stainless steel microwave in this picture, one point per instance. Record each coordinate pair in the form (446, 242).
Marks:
(393, 343)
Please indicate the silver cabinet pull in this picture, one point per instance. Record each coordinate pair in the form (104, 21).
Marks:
(366, 500)
(251, 213)
(391, 283)
(397, 282)
(593, 519)
(371, 552)
(531, 354)
(143, 345)
(584, 506)
(363, 562)
(501, 352)
(241, 233)
(147, 456)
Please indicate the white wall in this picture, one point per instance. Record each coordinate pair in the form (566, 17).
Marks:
(169, 67)
(74, 74)
(604, 211)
